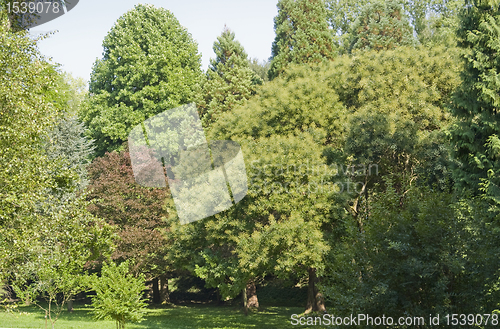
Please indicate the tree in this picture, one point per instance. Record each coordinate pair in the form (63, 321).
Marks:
(476, 134)
(264, 233)
(229, 81)
(76, 91)
(67, 142)
(381, 25)
(433, 22)
(367, 119)
(396, 126)
(287, 126)
(26, 114)
(302, 35)
(42, 237)
(136, 212)
(118, 295)
(418, 254)
(260, 68)
(150, 64)
(48, 257)
(341, 14)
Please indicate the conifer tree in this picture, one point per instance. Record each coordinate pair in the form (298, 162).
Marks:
(381, 25)
(302, 35)
(229, 80)
(432, 21)
(67, 142)
(477, 101)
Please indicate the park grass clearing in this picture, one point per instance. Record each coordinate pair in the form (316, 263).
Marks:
(175, 317)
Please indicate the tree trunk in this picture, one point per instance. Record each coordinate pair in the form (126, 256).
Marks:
(245, 301)
(315, 300)
(249, 295)
(156, 291)
(251, 292)
(70, 305)
(164, 293)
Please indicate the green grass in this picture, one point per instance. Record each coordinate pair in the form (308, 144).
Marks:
(175, 317)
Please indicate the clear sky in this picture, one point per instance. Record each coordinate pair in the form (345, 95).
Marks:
(82, 30)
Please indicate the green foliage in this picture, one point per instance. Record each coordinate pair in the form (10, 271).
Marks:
(118, 295)
(260, 68)
(341, 14)
(298, 102)
(302, 35)
(381, 25)
(45, 239)
(415, 254)
(67, 143)
(26, 113)
(355, 111)
(397, 100)
(47, 255)
(475, 136)
(286, 127)
(76, 90)
(229, 80)
(433, 21)
(150, 64)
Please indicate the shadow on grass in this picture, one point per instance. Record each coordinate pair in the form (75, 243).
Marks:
(220, 317)
(207, 316)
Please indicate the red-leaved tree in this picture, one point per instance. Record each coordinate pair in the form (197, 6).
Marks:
(137, 212)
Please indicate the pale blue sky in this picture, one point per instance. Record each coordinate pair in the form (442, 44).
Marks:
(81, 31)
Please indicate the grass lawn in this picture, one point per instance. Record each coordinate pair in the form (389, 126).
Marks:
(175, 317)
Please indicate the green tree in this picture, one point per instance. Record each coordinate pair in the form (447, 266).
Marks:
(260, 68)
(264, 233)
(367, 120)
(433, 21)
(417, 254)
(42, 236)
(302, 35)
(229, 80)
(48, 257)
(476, 134)
(68, 144)
(381, 25)
(26, 114)
(341, 14)
(397, 125)
(150, 64)
(288, 125)
(77, 89)
(118, 295)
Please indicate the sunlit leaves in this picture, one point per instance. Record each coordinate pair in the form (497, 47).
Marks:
(150, 64)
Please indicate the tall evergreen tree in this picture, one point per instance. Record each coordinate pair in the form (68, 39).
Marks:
(150, 64)
(381, 25)
(302, 35)
(432, 21)
(67, 142)
(229, 80)
(476, 135)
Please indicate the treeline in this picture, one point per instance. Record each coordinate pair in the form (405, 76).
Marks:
(371, 143)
